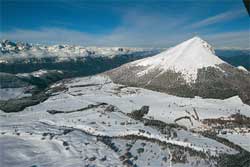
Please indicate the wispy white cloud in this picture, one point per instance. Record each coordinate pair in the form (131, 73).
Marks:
(138, 29)
(220, 18)
(48, 35)
(236, 39)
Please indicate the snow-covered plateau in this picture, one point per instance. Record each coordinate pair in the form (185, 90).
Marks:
(92, 121)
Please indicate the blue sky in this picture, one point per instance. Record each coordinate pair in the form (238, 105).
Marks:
(133, 23)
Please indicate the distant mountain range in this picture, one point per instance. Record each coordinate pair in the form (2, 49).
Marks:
(20, 57)
(26, 50)
(77, 60)
(238, 60)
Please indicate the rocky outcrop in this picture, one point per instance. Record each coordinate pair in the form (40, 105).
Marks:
(139, 114)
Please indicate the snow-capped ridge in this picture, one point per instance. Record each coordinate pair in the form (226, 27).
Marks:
(186, 58)
(242, 68)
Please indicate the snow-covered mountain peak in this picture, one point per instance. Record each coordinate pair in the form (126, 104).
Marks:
(186, 57)
(197, 41)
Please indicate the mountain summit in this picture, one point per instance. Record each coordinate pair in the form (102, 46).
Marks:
(186, 58)
(188, 69)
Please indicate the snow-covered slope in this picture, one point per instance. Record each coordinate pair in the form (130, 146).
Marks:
(188, 69)
(89, 121)
(187, 58)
